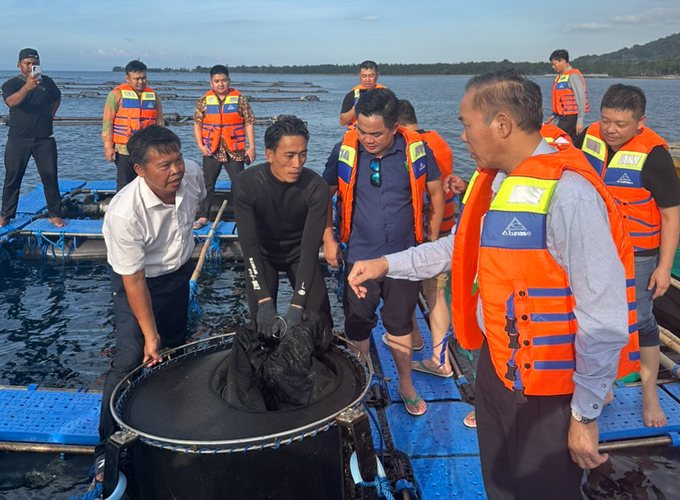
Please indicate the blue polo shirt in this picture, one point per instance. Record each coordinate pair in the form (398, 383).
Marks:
(382, 219)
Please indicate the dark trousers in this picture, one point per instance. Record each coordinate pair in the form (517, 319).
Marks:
(17, 153)
(170, 302)
(317, 293)
(568, 124)
(211, 171)
(523, 446)
(125, 171)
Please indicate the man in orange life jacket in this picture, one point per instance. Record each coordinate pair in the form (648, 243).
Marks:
(368, 78)
(223, 120)
(382, 173)
(129, 107)
(434, 288)
(542, 271)
(638, 170)
(569, 96)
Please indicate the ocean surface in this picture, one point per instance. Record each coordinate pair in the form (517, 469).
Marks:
(56, 323)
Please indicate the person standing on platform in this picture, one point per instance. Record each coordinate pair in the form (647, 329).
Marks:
(149, 243)
(434, 288)
(382, 173)
(280, 210)
(368, 78)
(569, 96)
(129, 107)
(638, 170)
(223, 120)
(542, 271)
(33, 100)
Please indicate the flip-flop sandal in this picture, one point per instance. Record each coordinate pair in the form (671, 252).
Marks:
(470, 420)
(199, 225)
(419, 366)
(414, 403)
(419, 348)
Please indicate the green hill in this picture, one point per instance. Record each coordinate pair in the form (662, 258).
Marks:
(661, 49)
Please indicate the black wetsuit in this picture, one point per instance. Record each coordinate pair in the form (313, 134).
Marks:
(280, 228)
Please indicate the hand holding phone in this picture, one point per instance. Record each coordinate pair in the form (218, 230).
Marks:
(35, 71)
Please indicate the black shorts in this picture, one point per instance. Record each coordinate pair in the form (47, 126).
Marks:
(399, 301)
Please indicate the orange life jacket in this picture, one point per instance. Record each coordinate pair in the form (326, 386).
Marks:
(528, 305)
(444, 158)
(357, 93)
(555, 136)
(135, 112)
(348, 157)
(223, 122)
(563, 100)
(623, 177)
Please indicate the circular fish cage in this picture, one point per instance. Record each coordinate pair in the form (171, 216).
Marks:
(194, 444)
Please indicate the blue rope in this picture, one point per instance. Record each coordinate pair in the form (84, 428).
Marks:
(214, 250)
(194, 307)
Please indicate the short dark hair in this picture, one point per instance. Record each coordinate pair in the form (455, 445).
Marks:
(154, 137)
(284, 125)
(219, 69)
(508, 91)
(407, 115)
(559, 54)
(135, 66)
(368, 65)
(379, 102)
(625, 98)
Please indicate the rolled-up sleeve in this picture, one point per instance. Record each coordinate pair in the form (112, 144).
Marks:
(579, 238)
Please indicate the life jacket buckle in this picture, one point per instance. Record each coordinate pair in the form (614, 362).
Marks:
(510, 325)
(519, 395)
(512, 371)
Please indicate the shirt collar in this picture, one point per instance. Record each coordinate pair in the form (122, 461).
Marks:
(399, 145)
(543, 148)
(152, 200)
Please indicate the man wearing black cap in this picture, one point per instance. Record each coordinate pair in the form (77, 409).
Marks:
(33, 100)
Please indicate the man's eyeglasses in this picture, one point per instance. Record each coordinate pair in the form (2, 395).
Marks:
(375, 174)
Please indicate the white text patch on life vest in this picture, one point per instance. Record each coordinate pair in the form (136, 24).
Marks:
(516, 228)
(526, 195)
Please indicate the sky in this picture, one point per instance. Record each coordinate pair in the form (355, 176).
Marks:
(94, 35)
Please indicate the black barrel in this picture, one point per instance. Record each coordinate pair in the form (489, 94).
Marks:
(194, 445)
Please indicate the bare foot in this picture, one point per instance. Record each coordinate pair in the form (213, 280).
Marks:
(609, 397)
(4, 221)
(57, 221)
(652, 414)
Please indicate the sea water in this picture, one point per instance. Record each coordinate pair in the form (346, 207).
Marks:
(56, 322)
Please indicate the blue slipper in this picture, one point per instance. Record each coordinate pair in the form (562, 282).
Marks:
(414, 403)
(419, 366)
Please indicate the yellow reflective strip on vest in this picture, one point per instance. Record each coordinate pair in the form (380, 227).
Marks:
(148, 96)
(630, 160)
(524, 194)
(563, 78)
(595, 147)
(347, 155)
(470, 184)
(128, 94)
(211, 100)
(231, 100)
(549, 140)
(416, 150)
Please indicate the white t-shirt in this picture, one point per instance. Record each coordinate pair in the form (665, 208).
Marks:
(142, 232)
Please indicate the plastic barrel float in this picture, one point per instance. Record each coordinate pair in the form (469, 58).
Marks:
(194, 436)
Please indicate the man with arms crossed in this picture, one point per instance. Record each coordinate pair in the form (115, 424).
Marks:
(149, 242)
(129, 107)
(368, 78)
(382, 172)
(638, 170)
(544, 279)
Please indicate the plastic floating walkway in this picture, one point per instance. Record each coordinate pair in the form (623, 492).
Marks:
(109, 187)
(33, 202)
(444, 453)
(33, 415)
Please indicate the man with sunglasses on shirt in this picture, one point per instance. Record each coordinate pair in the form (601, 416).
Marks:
(382, 174)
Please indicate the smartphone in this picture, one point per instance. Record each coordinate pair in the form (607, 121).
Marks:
(35, 70)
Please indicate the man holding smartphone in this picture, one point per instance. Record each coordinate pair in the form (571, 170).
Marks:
(33, 100)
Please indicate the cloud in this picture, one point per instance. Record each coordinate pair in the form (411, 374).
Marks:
(111, 53)
(647, 17)
(369, 18)
(586, 27)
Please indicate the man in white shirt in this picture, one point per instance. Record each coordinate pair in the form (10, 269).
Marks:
(149, 241)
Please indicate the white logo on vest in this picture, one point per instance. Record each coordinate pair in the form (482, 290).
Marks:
(516, 228)
(624, 179)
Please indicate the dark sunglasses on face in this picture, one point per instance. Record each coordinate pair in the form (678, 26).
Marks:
(375, 174)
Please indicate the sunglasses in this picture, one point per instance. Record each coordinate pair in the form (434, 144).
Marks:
(375, 174)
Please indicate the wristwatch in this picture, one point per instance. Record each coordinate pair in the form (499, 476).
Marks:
(580, 418)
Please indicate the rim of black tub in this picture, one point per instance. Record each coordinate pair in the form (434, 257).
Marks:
(240, 445)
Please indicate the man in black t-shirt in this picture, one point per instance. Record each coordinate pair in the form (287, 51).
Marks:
(33, 100)
(638, 170)
(368, 78)
(280, 210)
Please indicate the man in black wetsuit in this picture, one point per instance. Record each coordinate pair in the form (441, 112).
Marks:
(280, 210)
